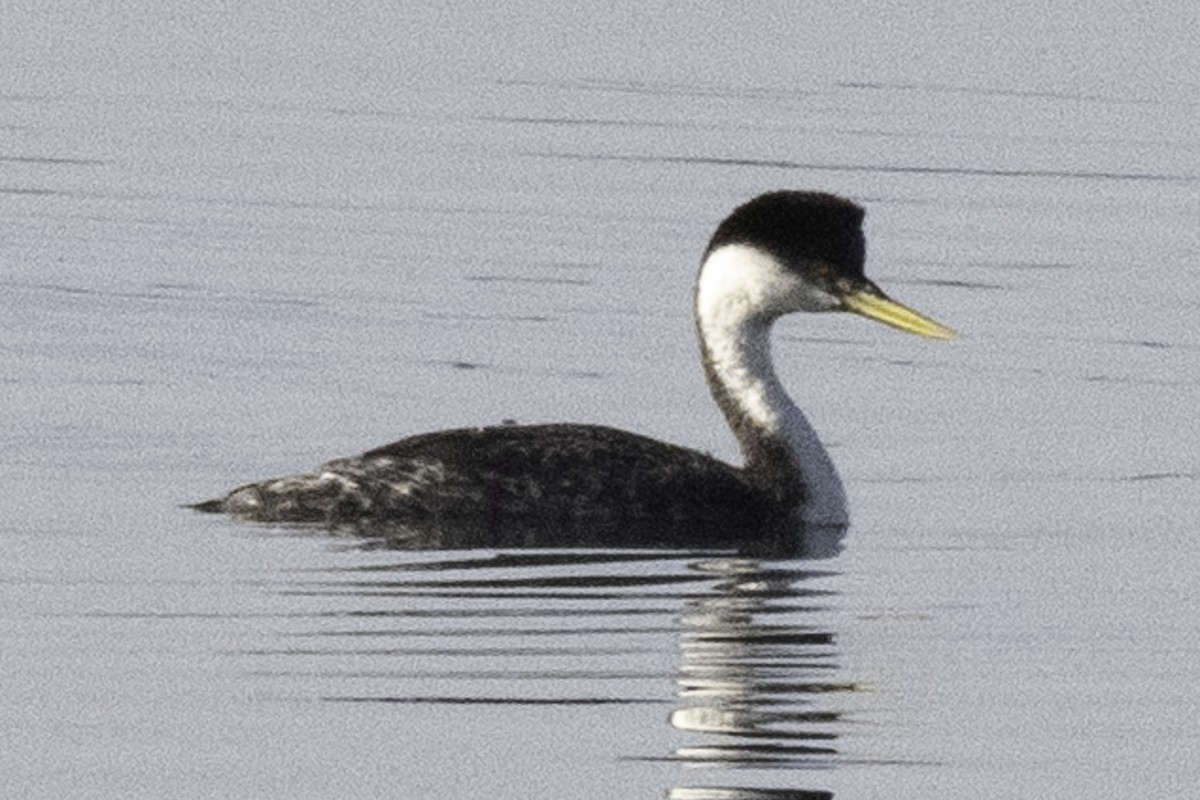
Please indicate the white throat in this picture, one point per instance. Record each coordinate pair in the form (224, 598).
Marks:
(740, 293)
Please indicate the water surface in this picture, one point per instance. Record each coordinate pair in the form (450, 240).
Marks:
(238, 244)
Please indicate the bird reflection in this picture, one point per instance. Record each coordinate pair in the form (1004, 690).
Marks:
(738, 793)
(784, 539)
(756, 678)
(753, 674)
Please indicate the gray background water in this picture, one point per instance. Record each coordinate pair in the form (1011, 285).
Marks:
(235, 242)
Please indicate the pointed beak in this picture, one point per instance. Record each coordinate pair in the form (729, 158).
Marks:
(868, 300)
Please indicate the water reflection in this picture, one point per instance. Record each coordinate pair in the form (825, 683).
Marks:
(761, 538)
(740, 793)
(755, 678)
(752, 683)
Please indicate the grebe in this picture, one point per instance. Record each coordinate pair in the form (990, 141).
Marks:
(779, 253)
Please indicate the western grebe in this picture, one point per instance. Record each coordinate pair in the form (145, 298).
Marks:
(779, 253)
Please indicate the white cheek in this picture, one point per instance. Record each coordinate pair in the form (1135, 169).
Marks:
(740, 281)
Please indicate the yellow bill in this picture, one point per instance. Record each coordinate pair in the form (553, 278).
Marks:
(874, 304)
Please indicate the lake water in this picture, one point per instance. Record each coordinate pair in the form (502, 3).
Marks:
(236, 243)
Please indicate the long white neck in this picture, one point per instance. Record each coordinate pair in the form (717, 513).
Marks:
(740, 293)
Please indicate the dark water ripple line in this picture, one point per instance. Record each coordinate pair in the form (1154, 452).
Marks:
(172, 292)
(843, 131)
(1148, 344)
(744, 793)
(529, 279)
(780, 696)
(1157, 476)
(662, 89)
(482, 633)
(456, 652)
(514, 589)
(514, 595)
(1092, 341)
(498, 583)
(1015, 371)
(52, 160)
(784, 662)
(763, 665)
(697, 571)
(796, 655)
(484, 613)
(985, 264)
(513, 370)
(497, 701)
(1036, 94)
(713, 670)
(872, 168)
(954, 284)
(389, 614)
(597, 122)
(566, 582)
(755, 739)
(443, 614)
(462, 316)
(791, 635)
(1039, 479)
(1126, 380)
(508, 561)
(498, 211)
(540, 675)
